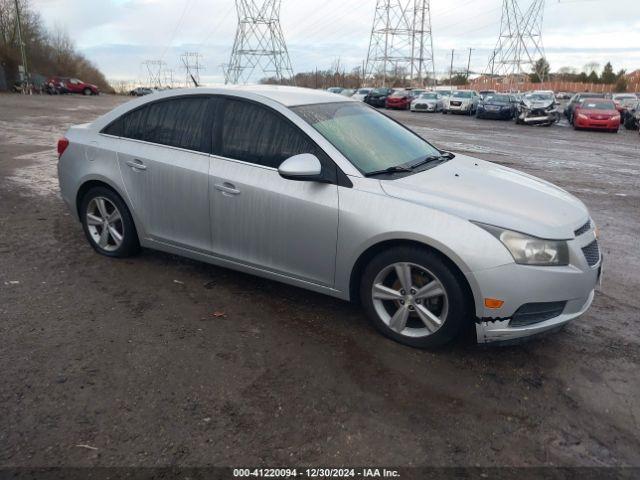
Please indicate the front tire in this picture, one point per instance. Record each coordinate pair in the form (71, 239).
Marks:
(412, 296)
(87, 91)
(107, 223)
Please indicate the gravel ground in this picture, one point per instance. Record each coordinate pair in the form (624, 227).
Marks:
(158, 360)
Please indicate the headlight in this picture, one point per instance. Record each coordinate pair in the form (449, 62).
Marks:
(582, 116)
(528, 250)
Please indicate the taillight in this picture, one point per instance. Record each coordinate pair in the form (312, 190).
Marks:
(63, 143)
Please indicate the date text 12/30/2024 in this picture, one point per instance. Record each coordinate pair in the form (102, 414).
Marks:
(315, 473)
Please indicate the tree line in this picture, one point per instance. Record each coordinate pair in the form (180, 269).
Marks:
(49, 52)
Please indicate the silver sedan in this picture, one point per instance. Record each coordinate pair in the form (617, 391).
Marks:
(325, 193)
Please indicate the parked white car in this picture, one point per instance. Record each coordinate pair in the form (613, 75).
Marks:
(462, 101)
(361, 94)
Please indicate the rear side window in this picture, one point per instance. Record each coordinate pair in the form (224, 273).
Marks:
(255, 134)
(178, 123)
(182, 122)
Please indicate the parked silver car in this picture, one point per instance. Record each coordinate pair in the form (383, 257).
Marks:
(325, 193)
(428, 102)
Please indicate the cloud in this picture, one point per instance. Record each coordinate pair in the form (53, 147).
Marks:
(119, 34)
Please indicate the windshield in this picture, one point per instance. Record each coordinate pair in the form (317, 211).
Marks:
(429, 96)
(370, 140)
(380, 91)
(590, 104)
(461, 94)
(363, 91)
(497, 98)
(400, 93)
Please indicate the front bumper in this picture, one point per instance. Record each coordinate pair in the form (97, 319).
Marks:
(465, 107)
(501, 114)
(596, 124)
(424, 107)
(518, 285)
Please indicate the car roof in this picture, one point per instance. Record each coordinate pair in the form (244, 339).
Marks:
(285, 95)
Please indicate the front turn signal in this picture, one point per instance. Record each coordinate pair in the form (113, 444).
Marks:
(493, 303)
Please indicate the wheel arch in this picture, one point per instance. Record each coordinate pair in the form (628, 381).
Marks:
(90, 183)
(367, 255)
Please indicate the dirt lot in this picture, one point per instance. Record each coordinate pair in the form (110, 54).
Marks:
(128, 357)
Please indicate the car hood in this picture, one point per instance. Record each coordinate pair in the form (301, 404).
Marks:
(426, 100)
(460, 99)
(496, 104)
(532, 104)
(489, 193)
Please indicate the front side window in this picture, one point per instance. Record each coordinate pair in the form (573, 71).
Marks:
(256, 134)
(370, 140)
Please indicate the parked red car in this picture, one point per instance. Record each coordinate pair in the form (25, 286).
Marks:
(73, 85)
(401, 99)
(597, 113)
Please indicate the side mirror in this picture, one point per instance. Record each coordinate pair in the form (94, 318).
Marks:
(303, 167)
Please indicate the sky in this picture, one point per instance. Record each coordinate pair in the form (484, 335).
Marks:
(118, 35)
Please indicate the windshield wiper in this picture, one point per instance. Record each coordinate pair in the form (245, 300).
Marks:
(394, 169)
(432, 158)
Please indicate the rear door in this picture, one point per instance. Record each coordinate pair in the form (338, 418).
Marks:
(164, 161)
(258, 217)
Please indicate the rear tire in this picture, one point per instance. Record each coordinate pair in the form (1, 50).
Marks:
(108, 224)
(427, 308)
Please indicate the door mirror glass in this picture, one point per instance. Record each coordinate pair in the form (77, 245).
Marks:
(303, 167)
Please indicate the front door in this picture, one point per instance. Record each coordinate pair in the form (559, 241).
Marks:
(258, 217)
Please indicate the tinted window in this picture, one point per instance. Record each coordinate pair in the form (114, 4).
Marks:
(255, 134)
(178, 123)
(181, 122)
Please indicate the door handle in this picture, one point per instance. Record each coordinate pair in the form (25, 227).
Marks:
(136, 164)
(227, 188)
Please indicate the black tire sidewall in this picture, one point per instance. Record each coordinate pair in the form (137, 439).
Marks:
(130, 244)
(458, 308)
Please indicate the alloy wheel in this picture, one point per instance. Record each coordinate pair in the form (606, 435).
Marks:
(104, 223)
(410, 299)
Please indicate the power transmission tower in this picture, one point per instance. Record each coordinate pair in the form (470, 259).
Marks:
(520, 41)
(401, 43)
(155, 70)
(191, 63)
(259, 43)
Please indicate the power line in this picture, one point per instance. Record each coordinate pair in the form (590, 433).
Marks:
(401, 43)
(259, 43)
(520, 40)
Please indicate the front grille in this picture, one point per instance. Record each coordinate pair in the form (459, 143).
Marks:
(592, 253)
(584, 228)
(456, 104)
(531, 313)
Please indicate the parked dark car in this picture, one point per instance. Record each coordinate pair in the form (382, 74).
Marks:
(378, 97)
(576, 100)
(630, 115)
(497, 106)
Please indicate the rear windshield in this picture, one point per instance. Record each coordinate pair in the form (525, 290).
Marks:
(588, 104)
